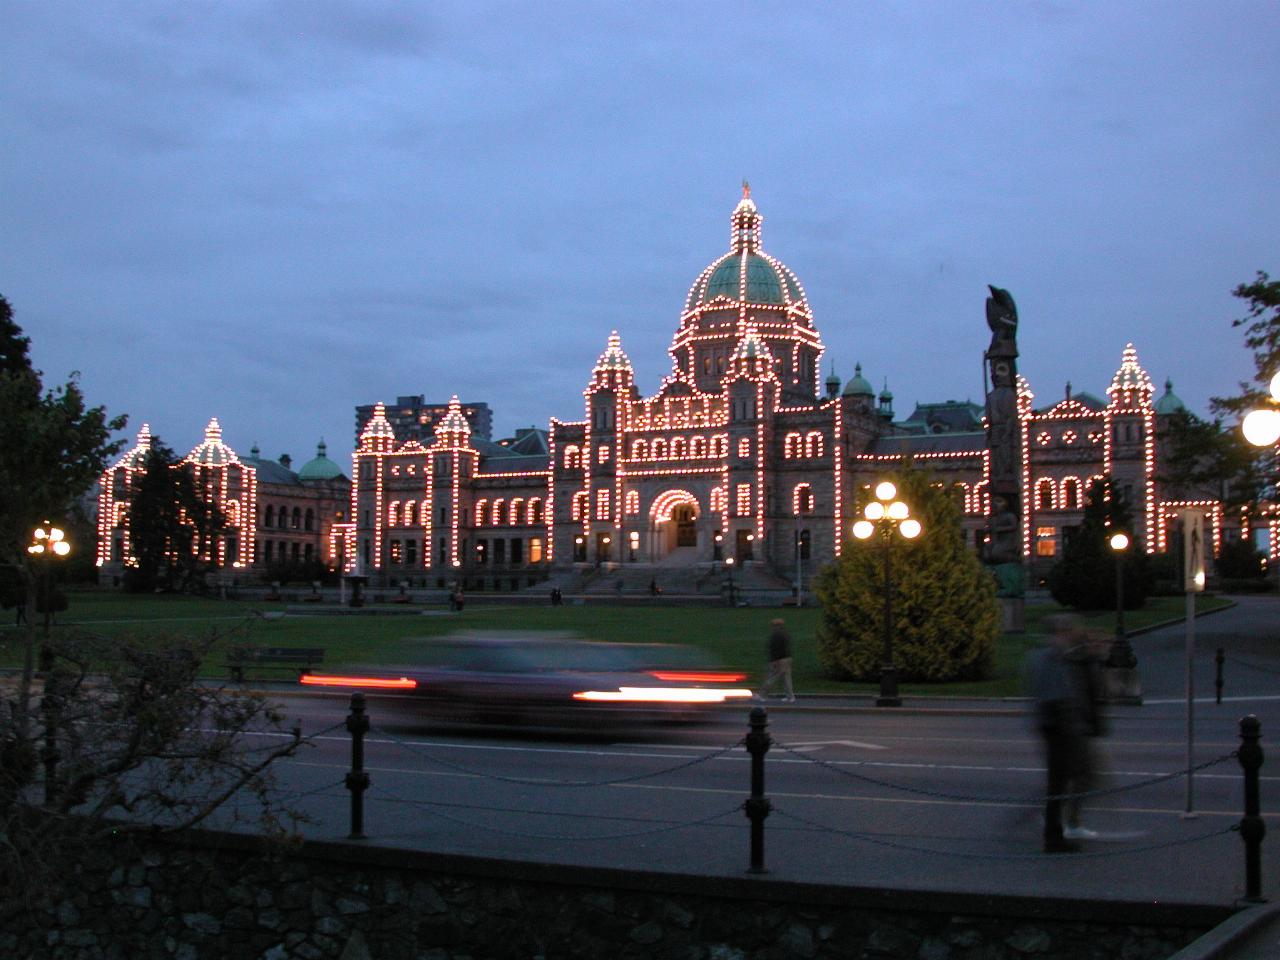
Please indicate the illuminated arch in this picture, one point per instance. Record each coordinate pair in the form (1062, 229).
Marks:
(1070, 498)
(664, 503)
(517, 503)
(815, 445)
(392, 511)
(802, 499)
(639, 450)
(579, 505)
(717, 500)
(698, 447)
(533, 510)
(633, 502)
(572, 457)
(961, 490)
(480, 508)
(408, 513)
(791, 446)
(659, 449)
(679, 448)
(496, 511)
(1046, 494)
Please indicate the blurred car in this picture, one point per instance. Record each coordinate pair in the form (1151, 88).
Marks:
(549, 680)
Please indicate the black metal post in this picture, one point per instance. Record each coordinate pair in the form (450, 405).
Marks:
(757, 806)
(888, 672)
(357, 779)
(1219, 659)
(1252, 827)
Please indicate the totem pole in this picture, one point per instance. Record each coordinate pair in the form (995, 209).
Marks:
(1004, 441)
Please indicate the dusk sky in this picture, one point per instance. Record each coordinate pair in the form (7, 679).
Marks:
(273, 212)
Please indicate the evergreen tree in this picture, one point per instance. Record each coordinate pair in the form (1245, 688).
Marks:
(1085, 577)
(170, 525)
(945, 614)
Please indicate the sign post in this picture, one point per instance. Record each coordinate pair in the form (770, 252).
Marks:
(1193, 577)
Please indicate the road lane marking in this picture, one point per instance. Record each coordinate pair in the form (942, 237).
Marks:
(855, 744)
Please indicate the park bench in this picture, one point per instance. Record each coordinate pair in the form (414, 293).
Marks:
(295, 660)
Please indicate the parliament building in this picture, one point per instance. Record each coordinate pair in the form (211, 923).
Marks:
(744, 459)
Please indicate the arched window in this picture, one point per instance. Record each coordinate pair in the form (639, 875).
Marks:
(659, 449)
(270, 518)
(961, 492)
(480, 508)
(639, 450)
(408, 513)
(579, 505)
(717, 500)
(633, 502)
(393, 512)
(744, 448)
(815, 445)
(1045, 499)
(496, 512)
(534, 510)
(679, 448)
(698, 447)
(1070, 494)
(791, 446)
(720, 446)
(309, 520)
(514, 510)
(572, 457)
(297, 518)
(802, 499)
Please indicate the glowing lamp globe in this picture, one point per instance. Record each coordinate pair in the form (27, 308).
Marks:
(874, 510)
(1119, 541)
(898, 510)
(1275, 387)
(886, 491)
(863, 529)
(1262, 427)
(910, 528)
(61, 548)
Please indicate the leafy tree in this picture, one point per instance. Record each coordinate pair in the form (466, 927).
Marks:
(945, 614)
(1262, 336)
(1201, 457)
(142, 747)
(1085, 577)
(1241, 560)
(13, 345)
(169, 524)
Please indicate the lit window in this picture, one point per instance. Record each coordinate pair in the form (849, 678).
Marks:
(1046, 542)
(535, 550)
(743, 506)
(633, 502)
(497, 512)
(480, 507)
(814, 445)
(602, 504)
(535, 510)
(744, 447)
(1045, 494)
(602, 453)
(791, 446)
(517, 504)
(639, 450)
(717, 500)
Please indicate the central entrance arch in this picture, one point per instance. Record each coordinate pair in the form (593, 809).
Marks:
(675, 523)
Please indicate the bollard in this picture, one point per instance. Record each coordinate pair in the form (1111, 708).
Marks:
(1218, 658)
(757, 806)
(357, 779)
(1252, 827)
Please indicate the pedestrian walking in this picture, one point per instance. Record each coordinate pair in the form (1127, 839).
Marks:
(779, 652)
(1063, 706)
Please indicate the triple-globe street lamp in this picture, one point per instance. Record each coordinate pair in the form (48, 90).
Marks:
(1262, 426)
(47, 544)
(886, 516)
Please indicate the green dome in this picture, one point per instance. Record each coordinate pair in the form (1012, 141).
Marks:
(859, 386)
(1170, 403)
(321, 468)
(766, 281)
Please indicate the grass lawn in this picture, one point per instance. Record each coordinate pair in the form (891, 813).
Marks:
(734, 636)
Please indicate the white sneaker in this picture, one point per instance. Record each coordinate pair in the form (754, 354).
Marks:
(1079, 833)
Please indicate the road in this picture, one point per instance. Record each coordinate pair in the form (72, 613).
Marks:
(937, 795)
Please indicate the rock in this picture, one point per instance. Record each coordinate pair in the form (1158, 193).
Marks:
(1029, 940)
(890, 942)
(68, 915)
(348, 906)
(797, 941)
(931, 948)
(722, 951)
(647, 933)
(202, 923)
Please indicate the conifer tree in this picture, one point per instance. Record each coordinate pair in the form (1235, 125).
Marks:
(945, 617)
(1085, 577)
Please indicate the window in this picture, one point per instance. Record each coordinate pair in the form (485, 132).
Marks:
(408, 513)
(602, 453)
(480, 505)
(411, 553)
(499, 551)
(270, 518)
(297, 518)
(367, 552)
(308, 551)
(744, 447)
(517, 552)
(393, 512)
(579, 505)
(535, 510)
(639, 450)
(633, 502)
(743, 500)
(815, 445)
(1046, 542)
(802, 499)
(679, 448)
(602, 504)
(1071, 494)
(515, 510)
(717, 500)
(396, 555)
(1044, 494)
(535, 550)
(659, 449)
(498, 518)
(804, 544)
(572, 457)
(698, 447)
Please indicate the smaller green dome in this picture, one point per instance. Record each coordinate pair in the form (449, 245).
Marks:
(321, 468)
(1170, 402)
(859, 386)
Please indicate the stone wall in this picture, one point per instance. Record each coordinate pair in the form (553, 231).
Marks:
(230, 896)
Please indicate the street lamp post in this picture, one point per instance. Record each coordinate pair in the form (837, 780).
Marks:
(728, 563)
(1262, 427)
(1122, 663)
(884, 516)
(47, 543)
